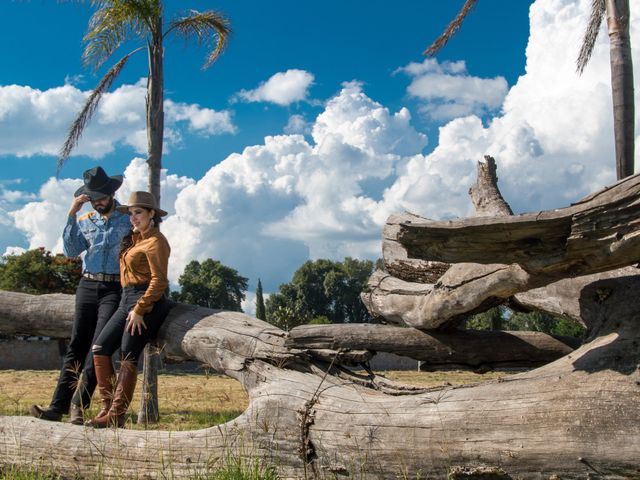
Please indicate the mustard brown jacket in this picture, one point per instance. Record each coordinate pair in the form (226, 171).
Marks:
(146, 262)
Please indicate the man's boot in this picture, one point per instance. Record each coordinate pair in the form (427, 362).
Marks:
(122, 396)
(76, 414)
(45, 413)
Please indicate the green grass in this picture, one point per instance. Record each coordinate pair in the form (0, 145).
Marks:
(239, 469)
(15, 473)
(235, 470)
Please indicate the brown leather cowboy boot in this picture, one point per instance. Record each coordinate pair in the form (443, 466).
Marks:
(122, 396)
(106, 377)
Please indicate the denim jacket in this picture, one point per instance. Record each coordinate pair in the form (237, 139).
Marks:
(100, 240)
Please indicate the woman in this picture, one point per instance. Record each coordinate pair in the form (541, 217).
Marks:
(144, 258)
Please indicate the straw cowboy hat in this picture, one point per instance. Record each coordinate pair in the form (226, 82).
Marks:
(97, 184)
(142, 199)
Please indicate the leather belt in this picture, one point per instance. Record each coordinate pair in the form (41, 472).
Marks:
(101, 277)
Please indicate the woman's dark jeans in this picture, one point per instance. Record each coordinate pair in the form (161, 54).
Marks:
(113, 336)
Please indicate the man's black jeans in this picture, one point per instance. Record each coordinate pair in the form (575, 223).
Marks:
(95, 303)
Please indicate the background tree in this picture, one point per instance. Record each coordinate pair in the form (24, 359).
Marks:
(617, 13)
(537, 321)
(503, 318)
(261, 312)
(322, 291)
(211, 284)
(492, 319)
(38, 271)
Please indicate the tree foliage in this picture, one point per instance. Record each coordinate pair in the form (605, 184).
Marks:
(323, 291)
(261, 312)
(502, 318)
(38, 271)
(211, 284)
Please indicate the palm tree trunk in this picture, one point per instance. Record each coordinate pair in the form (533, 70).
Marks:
(149, 411)
(621, 85)
(155, 115)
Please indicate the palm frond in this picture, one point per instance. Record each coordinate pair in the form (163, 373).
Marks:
(114, 22)
(90, 106)
(598, 9)
(451, 29)
(207, 28)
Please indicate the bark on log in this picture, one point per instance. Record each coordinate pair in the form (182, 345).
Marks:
(456, 348)
(575, 417)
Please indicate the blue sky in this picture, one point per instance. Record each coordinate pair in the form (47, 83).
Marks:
(336, 41)
(319, 120)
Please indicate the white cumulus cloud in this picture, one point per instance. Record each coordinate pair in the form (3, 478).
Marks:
(448, 91)
(283, 88)
(35, 122)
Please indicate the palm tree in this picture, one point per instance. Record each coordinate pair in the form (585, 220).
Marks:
(117, 21)
(617, 12)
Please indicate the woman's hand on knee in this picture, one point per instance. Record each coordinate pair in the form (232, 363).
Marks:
(135, 323)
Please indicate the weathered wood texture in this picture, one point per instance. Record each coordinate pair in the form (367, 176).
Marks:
(578, 298)
(571, 418)
(485, 194)
(487, 200)
(593, 236)
(596, 234)
(582, 298)
(461, 348)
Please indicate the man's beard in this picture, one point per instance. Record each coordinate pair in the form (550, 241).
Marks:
(105, 209)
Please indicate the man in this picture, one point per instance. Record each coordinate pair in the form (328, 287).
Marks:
(98, 234)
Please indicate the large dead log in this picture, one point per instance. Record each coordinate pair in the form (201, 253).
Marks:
(454, 348)
(596, 234)
(575, 417)
(428, 294)
(486, 199)
(346, 344)
(580, 299)
(429, 298)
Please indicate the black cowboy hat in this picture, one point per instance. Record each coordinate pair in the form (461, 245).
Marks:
(97, 184)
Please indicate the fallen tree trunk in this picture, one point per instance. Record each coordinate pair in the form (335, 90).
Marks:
(454, 348)
(346, 344)
(596, 234)
(582, 298)
(311, 419)
(584, 242)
